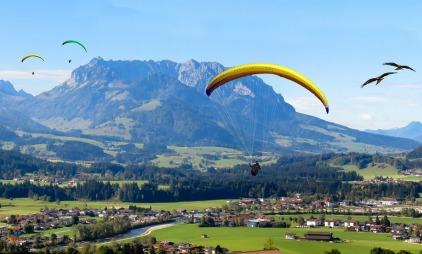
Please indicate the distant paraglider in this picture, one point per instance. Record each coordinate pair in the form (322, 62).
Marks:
(76, 43)
(31, 56)
(26, 57)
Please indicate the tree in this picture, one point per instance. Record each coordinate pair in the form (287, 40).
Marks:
(65, 239)
(218, 250)
(377, 221)
(28, 228)
(385, 221)
(322, 218)
(161, 249)
(11, 219)
(301, 221)
(53, 239)
(75, 220)
(46, 251)
(269, 244)
(379, 250)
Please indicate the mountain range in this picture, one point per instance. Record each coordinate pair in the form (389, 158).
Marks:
(163, 102)
(411, 131)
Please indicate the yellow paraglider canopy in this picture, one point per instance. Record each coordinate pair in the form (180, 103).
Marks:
(30, 56)
(266, 68)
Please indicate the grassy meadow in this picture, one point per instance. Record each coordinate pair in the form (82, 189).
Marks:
(380, 170)
(28, 206)
(247, 239)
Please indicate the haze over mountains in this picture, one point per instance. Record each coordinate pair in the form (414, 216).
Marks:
(163, 102)
(411, 131)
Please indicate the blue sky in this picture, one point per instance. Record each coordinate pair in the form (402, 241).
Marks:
(338, 44)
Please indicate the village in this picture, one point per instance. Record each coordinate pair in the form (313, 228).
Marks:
(45, 228)
(286, 212)
(26, 230)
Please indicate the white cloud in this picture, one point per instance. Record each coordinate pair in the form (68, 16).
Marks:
(303, 103)
(366, 116)
(369, 99)
(43, 74)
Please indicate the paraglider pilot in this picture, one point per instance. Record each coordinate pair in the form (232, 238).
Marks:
(255, 168)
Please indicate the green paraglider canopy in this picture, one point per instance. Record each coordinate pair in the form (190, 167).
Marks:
(75, 42)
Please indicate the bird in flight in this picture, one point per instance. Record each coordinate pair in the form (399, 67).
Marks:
(377, 79)
(398, 66)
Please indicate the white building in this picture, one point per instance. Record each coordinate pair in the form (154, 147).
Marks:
(350, 223)
(331, 224)
(313, 223)
(413, 240)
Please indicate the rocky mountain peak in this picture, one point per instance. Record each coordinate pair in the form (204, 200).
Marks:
(7, 89)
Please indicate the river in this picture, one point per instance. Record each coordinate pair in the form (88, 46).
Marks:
(133, 233)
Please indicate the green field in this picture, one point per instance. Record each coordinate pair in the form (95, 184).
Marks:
(380, 170)
(27, 206)
(393, 219)
(372, 172)
(246, 239)
(121, 182)
(196, 156)
(199, 157)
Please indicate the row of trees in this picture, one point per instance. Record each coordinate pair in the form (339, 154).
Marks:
(102, 229)
(205, 186)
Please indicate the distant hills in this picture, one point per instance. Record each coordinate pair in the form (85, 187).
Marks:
(10, 117)
(163, 103)
(411, 131)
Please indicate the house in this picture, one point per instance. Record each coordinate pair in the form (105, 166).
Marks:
(346, 203)
(16, 240)
(413, 240)
(319, 236)
(211, 250)
(377, 228)
(331, 224)
(253, 223)
(388, 202)
(246, 201)
(350, 224)
(329, 204)
(400, 236)
(290, 236)
(313, 223)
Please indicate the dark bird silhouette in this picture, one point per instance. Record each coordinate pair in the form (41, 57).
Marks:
(377, 79)
(399, 67)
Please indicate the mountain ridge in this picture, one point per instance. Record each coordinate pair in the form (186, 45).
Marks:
(413, 130)
(122, 98)
(163, 102)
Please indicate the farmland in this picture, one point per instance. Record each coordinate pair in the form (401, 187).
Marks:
(244, 239)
